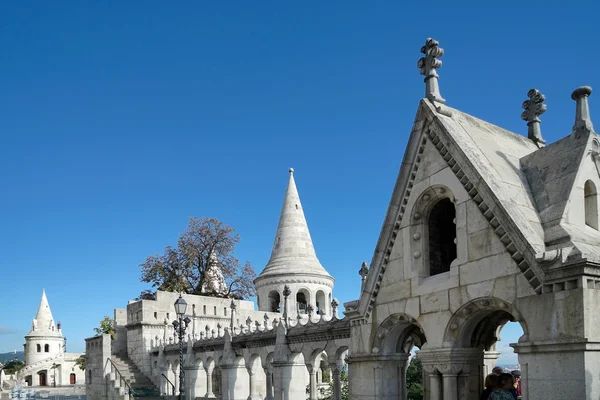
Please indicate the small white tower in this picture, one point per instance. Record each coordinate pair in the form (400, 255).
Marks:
(294, 263)
(45, 338)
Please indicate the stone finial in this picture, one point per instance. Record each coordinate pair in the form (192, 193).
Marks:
(248, 322)
(428, 66)
(363, 272)
(232, 305)
(534, 107)
(334, 308)
(583, 121)
(286, 291)
(309, 310)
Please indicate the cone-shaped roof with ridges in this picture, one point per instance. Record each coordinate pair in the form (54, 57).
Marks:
(44, 320)
(293, 251)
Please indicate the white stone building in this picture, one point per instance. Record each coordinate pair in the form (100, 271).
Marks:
(484, 226)
(46, 361)
(228, 342)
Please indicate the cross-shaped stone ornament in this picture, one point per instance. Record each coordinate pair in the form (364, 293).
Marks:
(428, 66)
(534, 107)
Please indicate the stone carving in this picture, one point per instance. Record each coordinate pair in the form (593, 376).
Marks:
(534, 107)
(363, 272)
(428, 66)
(583, 121)
(214, 282)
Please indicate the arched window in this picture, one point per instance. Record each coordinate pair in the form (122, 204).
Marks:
(301, 301)
(46, 348)
(442, 236)
(72, 379)
(274, 301)
(39, 348)
(321, 305)
(591, 204)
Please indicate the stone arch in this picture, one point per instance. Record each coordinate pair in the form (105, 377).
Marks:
(274, 301)
(397, 332)
(477, 323)
(432, 214)
(590, 195)
(303, 299)
(321, 302)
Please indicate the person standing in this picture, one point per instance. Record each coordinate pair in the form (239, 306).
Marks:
(506, 382)
(517, 392)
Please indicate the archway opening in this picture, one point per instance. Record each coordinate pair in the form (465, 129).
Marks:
(72, 379)
(591, 204)
(42, 378)
(274, 301)
(442, 236)
(477, 325)
(302, 300)
(321, 303)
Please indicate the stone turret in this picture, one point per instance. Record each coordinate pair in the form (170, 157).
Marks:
(45, 338)
(294, 263)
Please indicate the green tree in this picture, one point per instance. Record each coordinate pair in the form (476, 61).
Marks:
(13, 366)
(414, 380)
(80, 362)
(204, 243)
(106, 326)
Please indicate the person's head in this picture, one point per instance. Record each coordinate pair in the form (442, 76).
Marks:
(516, 374)
(506, 381)
(491, 381)
(497, 371)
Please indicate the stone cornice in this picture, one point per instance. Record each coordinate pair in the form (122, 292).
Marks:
(294, 278)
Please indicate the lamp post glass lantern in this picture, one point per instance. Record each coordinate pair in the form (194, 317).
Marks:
(180, 325)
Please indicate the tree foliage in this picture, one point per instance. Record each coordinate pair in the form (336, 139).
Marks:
(13, 366)
(204, 242)
(80, 362)
(106, 326)
(414, 380)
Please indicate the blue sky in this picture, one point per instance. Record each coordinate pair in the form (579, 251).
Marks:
(121, 119)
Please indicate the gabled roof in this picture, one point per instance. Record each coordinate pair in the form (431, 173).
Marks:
(293, 251)
(486, 160)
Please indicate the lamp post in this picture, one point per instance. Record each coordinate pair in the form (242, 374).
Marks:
(181, 325)
(54, 374)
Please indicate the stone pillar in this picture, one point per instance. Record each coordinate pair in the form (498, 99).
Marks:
(337, 381)
(197, 377)
(164, 384)
(313, 394)
(209, 385)
(269, 375)
(435, 385)
(450, 386)
(489, 362)
(251, 385)
(176, 382)
(286, 378)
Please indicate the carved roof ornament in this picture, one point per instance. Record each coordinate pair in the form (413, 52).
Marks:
(286, 291)
(428, 66)
(583, 121)
(534, 107)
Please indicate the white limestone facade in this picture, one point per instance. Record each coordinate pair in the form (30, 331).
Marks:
(46, 361)
(485, 226)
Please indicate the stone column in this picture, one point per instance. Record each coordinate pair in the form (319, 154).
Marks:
(489, 361)
(313, 395)
(209, 383)
(337, 381)
(435, 382)
(269, 375)
(450, 386)
(252, 395)
(176, 383)
(164, 384)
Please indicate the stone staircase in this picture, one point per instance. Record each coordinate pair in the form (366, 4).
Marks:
(141, 386)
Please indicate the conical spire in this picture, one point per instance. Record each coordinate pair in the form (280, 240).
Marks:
(293, 251)
(44, 313)
(43, 323)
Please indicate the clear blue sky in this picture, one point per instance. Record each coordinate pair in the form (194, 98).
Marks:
(122, 118)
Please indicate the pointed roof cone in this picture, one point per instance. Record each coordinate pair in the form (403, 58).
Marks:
(44, 313)
(44, 319)
(293, 251)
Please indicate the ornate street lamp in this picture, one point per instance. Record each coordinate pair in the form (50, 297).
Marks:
(54, 366)
(181, 325)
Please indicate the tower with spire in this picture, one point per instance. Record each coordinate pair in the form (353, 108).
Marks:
(294, 263)
(45, 339)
